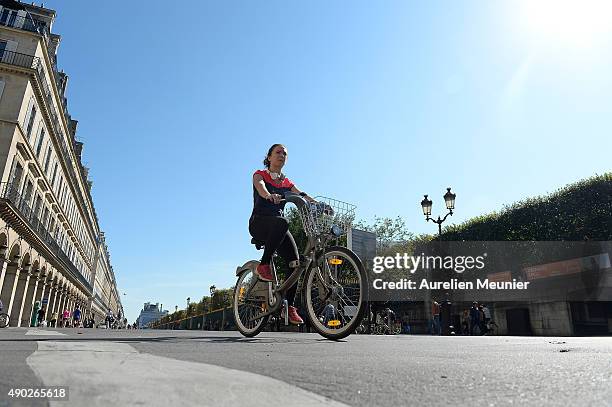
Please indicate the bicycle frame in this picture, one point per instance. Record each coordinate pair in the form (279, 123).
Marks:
(314, 246)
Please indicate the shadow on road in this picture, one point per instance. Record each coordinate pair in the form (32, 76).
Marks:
(217, 339)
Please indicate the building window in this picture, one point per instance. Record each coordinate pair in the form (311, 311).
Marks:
(31, 120)
(28, 191)
(40, 142)
(48, 159)
(54, 174)
(17, 173)
(8, 17)
(37, 204)
(45, 216)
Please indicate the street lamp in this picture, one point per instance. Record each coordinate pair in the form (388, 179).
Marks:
(426, 204)
(188, 301)
(212, 290)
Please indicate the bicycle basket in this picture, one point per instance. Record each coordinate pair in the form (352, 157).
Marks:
(318, 218)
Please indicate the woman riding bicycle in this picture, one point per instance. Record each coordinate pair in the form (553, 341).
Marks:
(267, 223)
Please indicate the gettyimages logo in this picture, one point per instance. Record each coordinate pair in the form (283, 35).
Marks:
(411, 264)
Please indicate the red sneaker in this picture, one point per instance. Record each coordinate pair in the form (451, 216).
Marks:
(264, 272)
(294, 317)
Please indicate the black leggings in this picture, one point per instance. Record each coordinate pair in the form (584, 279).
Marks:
(274, 231)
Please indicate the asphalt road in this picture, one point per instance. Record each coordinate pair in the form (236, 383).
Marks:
(221, 368)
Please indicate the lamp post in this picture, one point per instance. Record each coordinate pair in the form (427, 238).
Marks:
(187, 313)
(426, 204)
(449, 199)
(213, 289)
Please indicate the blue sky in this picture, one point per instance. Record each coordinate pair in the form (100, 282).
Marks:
(377, 103)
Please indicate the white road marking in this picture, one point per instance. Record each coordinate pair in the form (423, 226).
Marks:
(109, 373)
(43, 332)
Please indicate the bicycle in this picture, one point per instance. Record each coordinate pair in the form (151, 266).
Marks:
(328, 275)
(4, 319)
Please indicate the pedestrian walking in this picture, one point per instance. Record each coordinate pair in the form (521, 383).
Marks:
(435, 313)
(474, 317)
(465, 322)
(109, 319)
(41, 316)
(54, 320)
(34, 316)
(482, 324)
(76, 317)
(65, 318)
(487, 317)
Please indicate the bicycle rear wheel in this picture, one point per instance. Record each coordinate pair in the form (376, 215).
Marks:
(4, 320)
(338, 280)
(250, 300)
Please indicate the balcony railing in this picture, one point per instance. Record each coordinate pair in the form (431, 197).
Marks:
(17, 59)
(10, 193)
(27, 23)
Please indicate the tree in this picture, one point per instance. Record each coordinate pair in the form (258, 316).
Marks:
(222, 298)
(203, 306)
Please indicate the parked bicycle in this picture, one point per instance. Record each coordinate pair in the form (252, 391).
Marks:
(4, 318)
(328, 275)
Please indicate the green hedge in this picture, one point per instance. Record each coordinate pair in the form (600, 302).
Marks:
(575, 212)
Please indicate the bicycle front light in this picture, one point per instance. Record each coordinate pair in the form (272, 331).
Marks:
(336, 230)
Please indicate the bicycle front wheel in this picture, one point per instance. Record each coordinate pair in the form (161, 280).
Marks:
(4, 320)
(250, 300)
(335, 288)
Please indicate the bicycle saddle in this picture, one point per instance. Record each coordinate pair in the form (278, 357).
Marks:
(259, 244)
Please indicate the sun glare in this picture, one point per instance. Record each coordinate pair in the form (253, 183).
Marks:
(582, 23)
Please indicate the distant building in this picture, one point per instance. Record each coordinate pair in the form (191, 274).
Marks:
(150, 312)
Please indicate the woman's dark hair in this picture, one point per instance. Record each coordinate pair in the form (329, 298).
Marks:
(266, 161)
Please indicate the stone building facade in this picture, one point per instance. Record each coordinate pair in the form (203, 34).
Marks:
(51, 247)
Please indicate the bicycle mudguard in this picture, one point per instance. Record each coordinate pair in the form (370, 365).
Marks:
(249, 265)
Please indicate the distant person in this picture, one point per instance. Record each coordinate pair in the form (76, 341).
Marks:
(487, 317)
(76, 317)
(465, 322)
(54, 320)
(34, 315)
(41, 315)
(435, 313)
(474, 317)
(406, 323)
(65, 318)
(109, 319)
